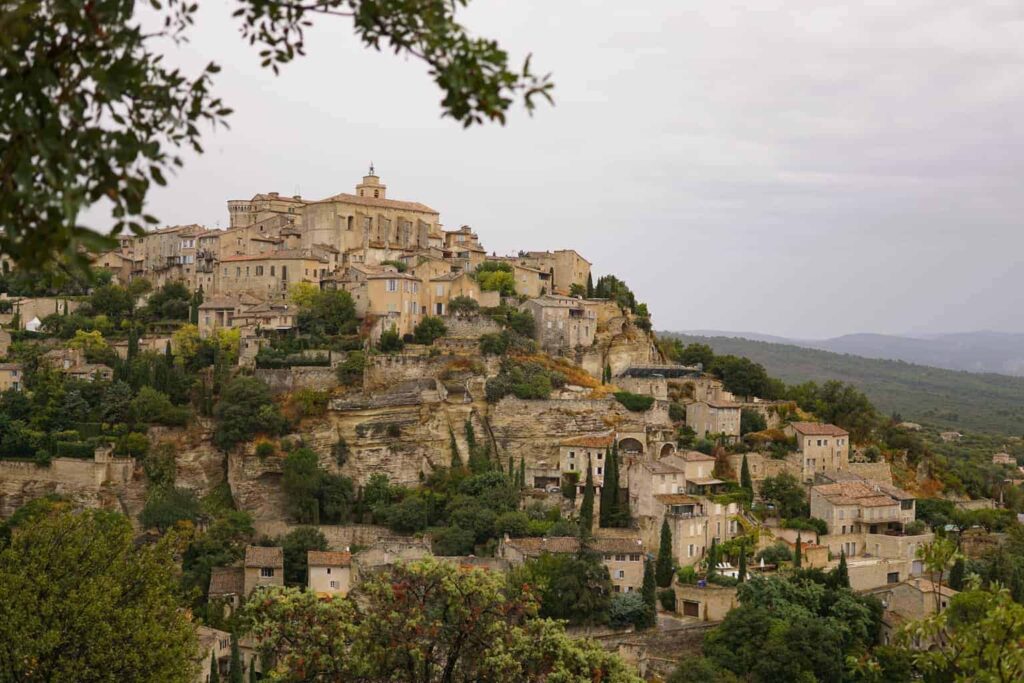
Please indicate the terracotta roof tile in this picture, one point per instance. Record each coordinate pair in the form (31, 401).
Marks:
(261, 556)
(590, 441)
(818, 429)
(227, 581)
(327, 558)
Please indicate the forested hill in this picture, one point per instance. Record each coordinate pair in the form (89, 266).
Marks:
(942, 398)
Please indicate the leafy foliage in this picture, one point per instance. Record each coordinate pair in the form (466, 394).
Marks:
(429, 329)
(435, 619)
(638, 403)
(79, 596)
(523, 379)
(246, 409)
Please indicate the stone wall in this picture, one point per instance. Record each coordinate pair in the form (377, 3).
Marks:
(471, 327)
(283, 380)
(338, 537)
(875, 471)
(90, 483)
(385, 370)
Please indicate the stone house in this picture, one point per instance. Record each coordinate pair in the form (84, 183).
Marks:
(862, 507)
(264, 566)
(909, 600)
(714, 418)
(868, 573)
(330, 573)
(562, 322)
(12, 376)
(227, 585)
(270, 274)
(707, 602)
(622, 555)
(574, 455)
(216, 645)
(694, 522)
(566, 266)
(950, 436)
(217, 311)
(822, 447)
(1004, 459)
(531, 282)
(5, 342)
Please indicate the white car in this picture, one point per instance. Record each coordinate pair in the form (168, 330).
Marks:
(554, 489)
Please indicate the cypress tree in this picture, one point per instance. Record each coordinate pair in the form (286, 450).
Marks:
(665, 566)
(470, 437)
(956, 574)
(587, 508)
(456, 460)
(745, 481)
(713, 558)
(133, 342)
(742, 575)
(511, 471)
(650, 595)
(590, 286)
(214, 673)
(606, 487)
(522, 472)
(798, 555)
(843, 574)
(253, 677)
(235, 675)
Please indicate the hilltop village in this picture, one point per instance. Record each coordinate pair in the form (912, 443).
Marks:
(367, 387)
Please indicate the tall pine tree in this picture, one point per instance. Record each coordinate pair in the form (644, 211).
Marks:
(522, 472)
(741, 575)
(235, 674)
(843, 573)
(590, 286)
(650, 595)
(798, 560)
(587, 508)
(665, 566)
(454, 446)
(713, 558)
(214, 671)
(746, 483)
(607, 506)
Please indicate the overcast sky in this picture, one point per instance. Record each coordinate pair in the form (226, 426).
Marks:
(793, 168)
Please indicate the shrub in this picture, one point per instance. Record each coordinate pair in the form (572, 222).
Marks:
(815, 524)
(246, 409)
(266, 449)
(340, 451)
(463, 305)
(514, 523)
(160, 465)
(400, 266)
(350, 371)
(525, 380)
(390, 342)
(916, 527)
(627, 609)
(134, 444)
(429, 329)
(152, 406)
(167, 505)
(686, 575)
(307, 403)
(494, 344)
(667, 598)
(394, 430)
(776, 554)
(637, 403)
(677, 412)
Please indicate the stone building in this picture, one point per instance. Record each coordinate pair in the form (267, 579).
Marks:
(715, 418)
(706, 602)
(263, 567)
(862, 507)
(12, 376)
(566, 266)
(330, 573)
(622, 555)
(822, 447)
(270, 275)
(563, 322)
(227, 586)
(575, 454)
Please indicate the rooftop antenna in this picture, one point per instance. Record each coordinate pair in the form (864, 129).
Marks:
(371, 169)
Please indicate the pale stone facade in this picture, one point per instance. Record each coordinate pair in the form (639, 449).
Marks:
(715, 418)
(563, 322)
(706, 603)
(862, 507)
(264, 566)
(822, 447)
(623, 555)
(12, 376)
(330, 573)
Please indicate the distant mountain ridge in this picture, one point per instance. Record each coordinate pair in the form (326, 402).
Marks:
(983, 352)
(948, 399)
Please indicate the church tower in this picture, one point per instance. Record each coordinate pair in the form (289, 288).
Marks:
(371, 186)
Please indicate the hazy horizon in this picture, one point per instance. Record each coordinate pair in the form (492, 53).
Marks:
(803, 170)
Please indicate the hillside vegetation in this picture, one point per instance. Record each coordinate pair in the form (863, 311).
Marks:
(987, 403)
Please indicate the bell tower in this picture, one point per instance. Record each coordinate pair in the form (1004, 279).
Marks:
(371, 186)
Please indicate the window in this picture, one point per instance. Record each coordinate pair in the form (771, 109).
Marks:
(225, 272)
(906, 505)
(267, 572)
(620, 558)
(328, 570)
(892, 577)
(617, 589)
(599, 470)
(689, 550)
(271, 271)
(238, 271)
(599, 456)
(620, 574)
(334, 585)
(392, 285)
(634, 557)
(259, 270)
